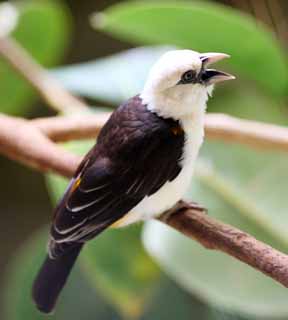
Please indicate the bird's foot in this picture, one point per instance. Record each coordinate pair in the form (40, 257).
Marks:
(182, 206)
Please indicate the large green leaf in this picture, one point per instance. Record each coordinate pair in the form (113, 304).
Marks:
(116, 262)
(202, 26)
(78, 300)
(112, 79)
(43, 30)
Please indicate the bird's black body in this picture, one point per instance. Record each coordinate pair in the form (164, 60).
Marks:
(136, 153)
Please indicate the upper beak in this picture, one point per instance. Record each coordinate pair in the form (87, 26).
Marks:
(212, 76)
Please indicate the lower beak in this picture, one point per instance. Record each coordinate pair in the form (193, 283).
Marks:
(212, 76)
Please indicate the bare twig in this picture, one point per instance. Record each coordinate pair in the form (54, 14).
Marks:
(247, 132)
(217, 127)
(25, 143)
(47, 87)
(71, 128)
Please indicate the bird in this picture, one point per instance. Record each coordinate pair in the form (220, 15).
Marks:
(141, 164)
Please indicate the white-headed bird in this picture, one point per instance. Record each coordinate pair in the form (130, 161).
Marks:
(140, 166)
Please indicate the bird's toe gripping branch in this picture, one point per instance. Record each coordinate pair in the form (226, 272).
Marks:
(182, 206)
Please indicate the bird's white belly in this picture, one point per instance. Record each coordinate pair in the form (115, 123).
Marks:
(165, 197)
(170, 192)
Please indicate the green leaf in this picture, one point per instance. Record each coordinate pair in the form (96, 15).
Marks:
(112, 79)
(171, 302)
(43, 30)
(203, 27)
(116, 262)
(77, 295)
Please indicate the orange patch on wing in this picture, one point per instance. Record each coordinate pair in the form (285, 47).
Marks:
(76, 184)
(118, 223)
(177, 130)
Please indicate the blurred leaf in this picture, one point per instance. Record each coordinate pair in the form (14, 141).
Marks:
(118, 265)
(203, 27)
(171, 302)
(116, 262)
(77, 296)
(43, 29)
(113, 79)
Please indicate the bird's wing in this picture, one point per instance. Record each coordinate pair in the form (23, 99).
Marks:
(137, 153)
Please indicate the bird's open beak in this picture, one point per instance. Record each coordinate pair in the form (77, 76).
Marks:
(212, 76)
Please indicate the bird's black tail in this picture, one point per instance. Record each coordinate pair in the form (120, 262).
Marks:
(52, 278)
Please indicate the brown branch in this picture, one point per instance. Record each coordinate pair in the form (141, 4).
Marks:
(217, 127)
(47, 87)
(251, 133)
(71, 128)
(25, 141)
(212, 234)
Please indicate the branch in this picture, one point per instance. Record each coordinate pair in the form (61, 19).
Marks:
(63, 128)
(47, 87)
(193, 221)
(247, 132)
(217, 127)
(25, 141)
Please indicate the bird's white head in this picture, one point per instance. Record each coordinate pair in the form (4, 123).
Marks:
(179, 83)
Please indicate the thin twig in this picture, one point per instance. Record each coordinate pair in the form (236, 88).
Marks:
(63, 128)
(217, 127)
(251, 133)
(26, 144)
(47, 87)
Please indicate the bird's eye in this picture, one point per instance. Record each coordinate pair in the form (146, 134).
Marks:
(188, 77)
